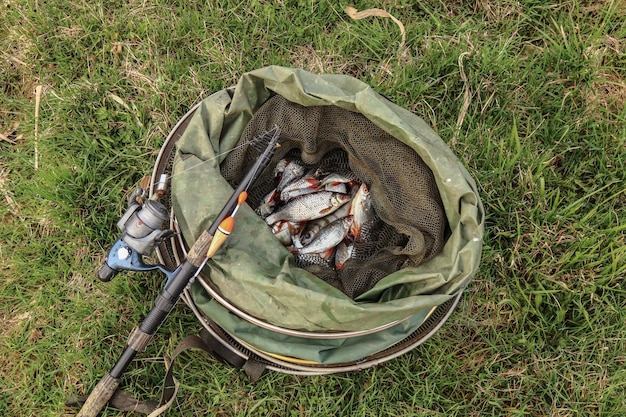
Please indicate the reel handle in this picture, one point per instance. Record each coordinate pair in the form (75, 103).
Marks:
(106, 273)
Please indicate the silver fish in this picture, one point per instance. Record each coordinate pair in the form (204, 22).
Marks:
(336, 187)
(287, 195)
(309, 180)
(288, 171)
(329, 237)
(309, 207)
(269, 203)
(280, 168)
(361, 209)
(335, 179)
(312, 228)
(284, 230)
(343, 253)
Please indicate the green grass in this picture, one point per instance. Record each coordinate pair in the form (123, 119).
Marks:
(530, 96)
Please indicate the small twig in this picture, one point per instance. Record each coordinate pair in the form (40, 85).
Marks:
(38, 90)
(467, 97)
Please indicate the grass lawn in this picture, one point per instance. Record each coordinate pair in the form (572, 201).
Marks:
(530, 96)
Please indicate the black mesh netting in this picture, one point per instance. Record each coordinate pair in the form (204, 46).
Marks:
(409, 224)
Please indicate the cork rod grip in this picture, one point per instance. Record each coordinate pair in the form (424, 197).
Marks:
(99, 397)
(198, 251)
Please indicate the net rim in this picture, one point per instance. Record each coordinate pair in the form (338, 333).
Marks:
(173, 258)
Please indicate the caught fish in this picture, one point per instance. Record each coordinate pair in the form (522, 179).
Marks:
(269, 204)
(309, 188)
(309, 181)
(361, 210)
(329, 237)
(288, 171)
(284, 230)
(334, 179)
(343, 253)
(337, 187)
(313, 227)
(309, 207)
(337, 183)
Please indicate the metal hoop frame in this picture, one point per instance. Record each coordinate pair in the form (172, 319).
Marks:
(172, 252)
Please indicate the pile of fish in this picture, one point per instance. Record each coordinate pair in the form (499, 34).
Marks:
(317, 215)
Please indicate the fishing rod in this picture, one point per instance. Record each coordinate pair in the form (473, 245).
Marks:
(126, 254)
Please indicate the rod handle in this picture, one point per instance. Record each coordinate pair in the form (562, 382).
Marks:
(198, 251)
(99, 397)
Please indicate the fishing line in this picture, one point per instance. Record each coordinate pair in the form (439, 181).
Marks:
(250, 142)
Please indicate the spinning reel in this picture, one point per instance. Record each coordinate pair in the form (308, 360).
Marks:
(142, 227)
